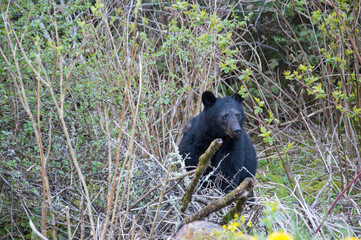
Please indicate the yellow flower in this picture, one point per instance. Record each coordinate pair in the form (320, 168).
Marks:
(249, 224)
(279, 236)
(274, 206)
(243, 219)
(351, 238)
(232, 227)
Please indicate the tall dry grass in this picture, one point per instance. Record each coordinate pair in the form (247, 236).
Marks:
(101, 92)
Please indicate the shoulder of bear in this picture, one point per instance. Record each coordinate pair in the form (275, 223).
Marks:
(188, 126)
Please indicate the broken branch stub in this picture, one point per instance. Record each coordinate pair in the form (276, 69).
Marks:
(202, 165)
(242, 191)
(238, 208)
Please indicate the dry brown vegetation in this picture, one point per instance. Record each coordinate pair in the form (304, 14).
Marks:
(93, 97)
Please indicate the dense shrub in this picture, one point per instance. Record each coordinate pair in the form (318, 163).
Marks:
(93, 97)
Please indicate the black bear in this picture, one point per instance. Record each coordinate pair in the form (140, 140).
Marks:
(221, 118)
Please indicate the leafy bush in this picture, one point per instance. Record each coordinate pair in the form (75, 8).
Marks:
(94, 96)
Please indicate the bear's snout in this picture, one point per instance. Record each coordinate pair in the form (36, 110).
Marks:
(234, 132)
(234, 128)
(237, 132)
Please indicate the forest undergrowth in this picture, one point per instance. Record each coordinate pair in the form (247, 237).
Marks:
(94, 96)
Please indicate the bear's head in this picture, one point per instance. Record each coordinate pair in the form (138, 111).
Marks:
(225, 116)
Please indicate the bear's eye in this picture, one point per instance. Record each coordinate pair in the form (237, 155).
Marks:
(238, 115)
(225, 116)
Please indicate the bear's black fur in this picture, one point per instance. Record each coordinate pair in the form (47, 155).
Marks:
(221, 118)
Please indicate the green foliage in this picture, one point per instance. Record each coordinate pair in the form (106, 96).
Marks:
(266, 135)
(94, 59)
(258, 109)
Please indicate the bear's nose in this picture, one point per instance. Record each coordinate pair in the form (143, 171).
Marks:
(237, 132)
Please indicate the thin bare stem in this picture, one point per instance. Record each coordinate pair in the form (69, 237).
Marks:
(159, 203)
(335, 201)
(40, 143)
(68, 225)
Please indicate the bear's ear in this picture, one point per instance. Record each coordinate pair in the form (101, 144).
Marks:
(238, 97)
(208, 99)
